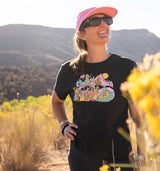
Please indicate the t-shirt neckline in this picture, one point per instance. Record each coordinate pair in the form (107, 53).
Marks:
(98, 63)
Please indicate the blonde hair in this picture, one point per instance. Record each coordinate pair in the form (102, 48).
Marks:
(78, 63)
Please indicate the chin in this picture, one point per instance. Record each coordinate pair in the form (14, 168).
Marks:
(105, 40)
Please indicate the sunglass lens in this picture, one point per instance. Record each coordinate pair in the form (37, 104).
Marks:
(94, 21)
(109, 21)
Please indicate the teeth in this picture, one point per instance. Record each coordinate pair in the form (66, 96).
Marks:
(103, 32)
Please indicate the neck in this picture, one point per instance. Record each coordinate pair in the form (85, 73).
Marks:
(97, 54)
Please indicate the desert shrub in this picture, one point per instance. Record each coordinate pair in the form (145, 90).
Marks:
(28, 128)
(143, 84)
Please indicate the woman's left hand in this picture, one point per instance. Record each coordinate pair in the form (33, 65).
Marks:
(69, 131)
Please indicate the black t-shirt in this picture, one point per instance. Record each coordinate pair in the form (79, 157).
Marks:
(98, 106)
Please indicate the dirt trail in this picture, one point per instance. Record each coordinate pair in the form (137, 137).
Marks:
(54, 161)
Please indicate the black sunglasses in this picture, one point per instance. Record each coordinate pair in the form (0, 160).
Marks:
(96, 21)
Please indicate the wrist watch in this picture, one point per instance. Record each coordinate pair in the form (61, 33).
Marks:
(140, 157)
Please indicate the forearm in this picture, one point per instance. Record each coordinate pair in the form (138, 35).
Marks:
(59, 110)
(141, 146)
(60, 114)
(139, 132)
(135, 115)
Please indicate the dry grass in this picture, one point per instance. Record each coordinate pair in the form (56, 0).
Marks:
(28, 128)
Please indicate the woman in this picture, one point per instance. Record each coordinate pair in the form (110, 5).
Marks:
(93, 82)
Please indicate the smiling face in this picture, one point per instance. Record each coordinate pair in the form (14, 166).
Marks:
(96, 34)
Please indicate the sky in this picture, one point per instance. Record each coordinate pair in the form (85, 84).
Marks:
(132, 14)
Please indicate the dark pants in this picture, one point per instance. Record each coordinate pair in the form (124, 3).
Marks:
(79, 161)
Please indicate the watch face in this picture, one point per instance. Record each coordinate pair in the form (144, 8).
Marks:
(140, 157)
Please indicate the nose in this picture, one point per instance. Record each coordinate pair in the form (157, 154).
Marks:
(105, 26)
(103, 22)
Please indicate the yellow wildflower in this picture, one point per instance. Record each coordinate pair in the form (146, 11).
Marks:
(147, 79)
(154, 125)
(104, 168)
(136, 91)
(143, 84)
(133, 76)
(147, 104)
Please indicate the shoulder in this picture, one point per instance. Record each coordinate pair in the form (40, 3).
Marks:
(124, 61)
(65, 69)
(66, 66)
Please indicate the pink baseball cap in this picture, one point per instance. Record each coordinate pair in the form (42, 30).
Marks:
(110, 11)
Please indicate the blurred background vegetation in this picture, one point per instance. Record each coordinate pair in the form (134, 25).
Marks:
(28, 128)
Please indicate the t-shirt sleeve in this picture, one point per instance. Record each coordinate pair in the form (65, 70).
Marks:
(127, 66)
(60, 86)
(131, 66)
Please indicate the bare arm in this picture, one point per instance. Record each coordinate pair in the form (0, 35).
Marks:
(139, 133)
(60, 114)
(58, 108)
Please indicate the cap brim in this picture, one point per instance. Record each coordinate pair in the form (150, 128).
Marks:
(110, 11)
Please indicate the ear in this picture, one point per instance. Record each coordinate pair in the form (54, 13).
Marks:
(81, 35)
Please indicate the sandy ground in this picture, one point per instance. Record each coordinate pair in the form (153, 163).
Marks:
(54, 161)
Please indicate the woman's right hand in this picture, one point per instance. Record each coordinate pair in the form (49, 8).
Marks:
(70, 131)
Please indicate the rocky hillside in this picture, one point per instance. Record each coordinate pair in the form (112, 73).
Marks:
(31, 55)
(27, 44)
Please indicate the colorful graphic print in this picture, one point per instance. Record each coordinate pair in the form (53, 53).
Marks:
(90, 88)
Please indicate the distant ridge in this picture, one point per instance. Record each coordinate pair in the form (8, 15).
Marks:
(32, 44)
(27, 44)
(31, 55)
(134, 44)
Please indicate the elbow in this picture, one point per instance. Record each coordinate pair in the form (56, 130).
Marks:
(55, 100)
